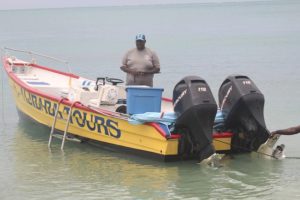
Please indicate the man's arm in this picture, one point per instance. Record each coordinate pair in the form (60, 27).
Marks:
(124, 66)
(156, 64)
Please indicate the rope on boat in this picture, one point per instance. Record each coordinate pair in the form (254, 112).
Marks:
(247, 149)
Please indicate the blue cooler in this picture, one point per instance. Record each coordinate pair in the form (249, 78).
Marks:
(143, 99)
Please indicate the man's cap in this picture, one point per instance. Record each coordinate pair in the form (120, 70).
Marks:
(140, 37)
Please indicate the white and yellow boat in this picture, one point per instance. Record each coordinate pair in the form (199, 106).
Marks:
(99, 111)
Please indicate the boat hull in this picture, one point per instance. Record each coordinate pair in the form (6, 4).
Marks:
(97, 126)
(92, 125)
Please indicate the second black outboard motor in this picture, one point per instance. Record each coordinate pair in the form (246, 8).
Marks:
(196, 109)
(242, 105)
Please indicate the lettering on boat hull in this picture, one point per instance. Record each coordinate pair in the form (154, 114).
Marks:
(87, 120)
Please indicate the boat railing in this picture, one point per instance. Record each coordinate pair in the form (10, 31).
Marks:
(31, 53)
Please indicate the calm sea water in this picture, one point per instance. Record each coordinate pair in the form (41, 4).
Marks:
(260, 39)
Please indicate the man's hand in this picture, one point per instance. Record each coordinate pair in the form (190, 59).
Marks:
(129, 71)
(125, 69)
(139, 73)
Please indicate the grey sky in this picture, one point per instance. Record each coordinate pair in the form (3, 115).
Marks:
(25, 4)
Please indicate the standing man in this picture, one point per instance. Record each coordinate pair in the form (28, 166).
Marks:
(140, 63)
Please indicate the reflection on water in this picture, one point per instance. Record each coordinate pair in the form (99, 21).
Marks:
(83, 171)
(83, 167)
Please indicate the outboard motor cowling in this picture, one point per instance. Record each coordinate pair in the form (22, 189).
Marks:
(196, 108)
(242, 105)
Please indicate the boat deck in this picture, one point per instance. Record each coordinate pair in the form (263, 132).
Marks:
(43, 86)
(55, 89)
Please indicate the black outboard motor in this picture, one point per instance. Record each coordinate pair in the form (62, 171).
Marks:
(242, 105)
(196, 107)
